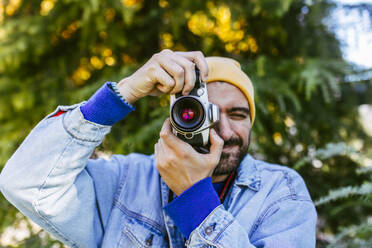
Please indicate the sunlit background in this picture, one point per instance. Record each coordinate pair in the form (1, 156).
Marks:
(308, 59)
(353, 28)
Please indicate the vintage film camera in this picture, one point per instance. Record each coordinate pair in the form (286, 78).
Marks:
(193, 115)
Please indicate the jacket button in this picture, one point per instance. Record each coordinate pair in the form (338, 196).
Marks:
(208, 230)
(148, 242)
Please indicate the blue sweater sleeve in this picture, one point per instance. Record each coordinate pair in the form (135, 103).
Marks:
(106, 107)
(190, 208)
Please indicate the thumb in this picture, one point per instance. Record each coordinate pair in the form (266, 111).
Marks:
(216, 144)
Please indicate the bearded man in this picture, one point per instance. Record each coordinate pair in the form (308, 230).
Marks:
(174, 198)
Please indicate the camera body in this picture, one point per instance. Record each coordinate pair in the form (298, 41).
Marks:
(193, 115)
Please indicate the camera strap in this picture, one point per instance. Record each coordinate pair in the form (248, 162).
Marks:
(227, 186)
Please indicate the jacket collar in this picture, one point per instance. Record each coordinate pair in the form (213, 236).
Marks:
(248, 174)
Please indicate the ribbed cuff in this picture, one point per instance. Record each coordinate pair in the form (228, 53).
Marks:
(190, 208)
(106, 107)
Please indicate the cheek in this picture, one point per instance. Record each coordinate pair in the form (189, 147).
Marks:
(241, 129)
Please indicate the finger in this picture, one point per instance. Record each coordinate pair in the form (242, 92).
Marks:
(165, 81)
(159, 153)
(189, 71)
(156, 153)
(163, 147)
(166, 130)
(167, 136)
(155, 92)
(216, 145)
(175, 70)
(198, 58)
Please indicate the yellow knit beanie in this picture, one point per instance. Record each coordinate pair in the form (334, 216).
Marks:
(229, 71)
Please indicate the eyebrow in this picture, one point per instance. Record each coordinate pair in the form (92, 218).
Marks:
(241, 109)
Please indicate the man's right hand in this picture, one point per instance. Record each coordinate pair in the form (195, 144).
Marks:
(166, 72)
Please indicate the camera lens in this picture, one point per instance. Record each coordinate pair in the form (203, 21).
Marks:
(187, 113)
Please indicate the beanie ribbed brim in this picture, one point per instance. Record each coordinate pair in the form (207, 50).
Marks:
(228, 70)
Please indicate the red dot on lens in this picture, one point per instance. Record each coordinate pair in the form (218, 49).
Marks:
(187, 114)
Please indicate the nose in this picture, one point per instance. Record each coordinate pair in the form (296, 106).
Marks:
(223, 128)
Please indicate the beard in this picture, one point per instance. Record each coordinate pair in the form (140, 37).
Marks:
(229, 161)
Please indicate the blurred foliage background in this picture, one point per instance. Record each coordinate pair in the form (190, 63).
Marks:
(59, 52)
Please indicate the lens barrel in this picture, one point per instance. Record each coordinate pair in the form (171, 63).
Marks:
(188, 113)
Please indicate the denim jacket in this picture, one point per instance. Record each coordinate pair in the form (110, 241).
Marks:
(119, 202)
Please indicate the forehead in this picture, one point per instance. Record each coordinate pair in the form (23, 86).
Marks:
(226, 95)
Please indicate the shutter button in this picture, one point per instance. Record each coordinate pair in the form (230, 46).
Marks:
(208, 230)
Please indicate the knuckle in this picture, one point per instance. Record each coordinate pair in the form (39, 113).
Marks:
(151, 68)
(163, 134)
(188, 63)
(179, 72)
(199, 54)
(176, 89)
(166, 51)
(191, 82)
(160, 166)
(189, 87)
(166, 89)
(190, 66)
(167, 165)
(171, 159)
(169, 85)
(156, 56)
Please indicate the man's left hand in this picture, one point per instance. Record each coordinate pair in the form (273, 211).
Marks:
(179, 164)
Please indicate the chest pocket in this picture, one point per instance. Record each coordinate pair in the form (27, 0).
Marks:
(136, 233)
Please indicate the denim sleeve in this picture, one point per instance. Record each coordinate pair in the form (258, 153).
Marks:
(287, 223)
(47, 180)
(190, 208)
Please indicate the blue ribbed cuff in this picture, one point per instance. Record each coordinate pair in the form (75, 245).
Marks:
(106, 107)
(190, 208)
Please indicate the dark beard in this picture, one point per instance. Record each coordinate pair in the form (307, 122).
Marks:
(229, 162)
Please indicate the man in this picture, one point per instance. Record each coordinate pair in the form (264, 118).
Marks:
(175, 197)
